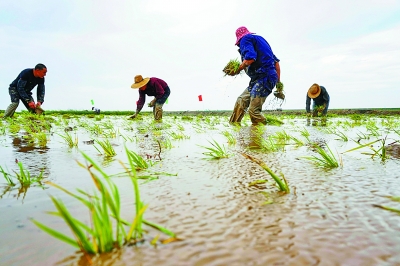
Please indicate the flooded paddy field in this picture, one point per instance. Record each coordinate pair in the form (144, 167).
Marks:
(223, 208)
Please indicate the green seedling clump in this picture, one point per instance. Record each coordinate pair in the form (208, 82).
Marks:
(231, 67)
(279, 93)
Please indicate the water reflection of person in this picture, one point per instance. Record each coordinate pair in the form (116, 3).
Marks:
(35, 159)
(315, 121)
(255, 137)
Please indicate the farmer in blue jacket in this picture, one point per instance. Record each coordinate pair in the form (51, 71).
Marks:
(21, 87)
(320, 98)
(262, 66)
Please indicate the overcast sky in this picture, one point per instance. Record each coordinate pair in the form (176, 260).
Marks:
(93, 50)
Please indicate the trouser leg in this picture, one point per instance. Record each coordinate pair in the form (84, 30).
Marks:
(241, 105)
(10, 110)
(14, 96)
(255, 110)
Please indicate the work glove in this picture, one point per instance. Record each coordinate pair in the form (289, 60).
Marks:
(38, 104)
(32, 105)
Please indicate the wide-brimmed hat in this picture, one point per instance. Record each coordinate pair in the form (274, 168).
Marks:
(240, 32)
(139, 82)
(314, 91)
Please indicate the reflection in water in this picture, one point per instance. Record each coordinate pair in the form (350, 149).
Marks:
(317, 121)
(256, 133)
(33, 159)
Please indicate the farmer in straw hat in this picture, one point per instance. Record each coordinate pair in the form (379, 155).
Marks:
(320, 98)
(262, 66)
(21, 87)
(152, 87)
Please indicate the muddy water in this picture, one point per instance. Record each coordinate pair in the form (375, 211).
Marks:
(327, 219)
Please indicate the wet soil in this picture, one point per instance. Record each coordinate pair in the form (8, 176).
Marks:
(328, 218)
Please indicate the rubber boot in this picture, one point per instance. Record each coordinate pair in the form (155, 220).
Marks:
(240, 108)
(158, 112)
(10, 110)
(255, 110)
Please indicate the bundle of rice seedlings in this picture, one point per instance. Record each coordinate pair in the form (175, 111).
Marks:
(231, 67)
(279, 93)
(39, 110)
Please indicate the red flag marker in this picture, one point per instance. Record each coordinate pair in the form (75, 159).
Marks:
(200, 98)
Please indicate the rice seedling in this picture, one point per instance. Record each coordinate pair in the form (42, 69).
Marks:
(216, 151)
(231, 67)
(297, 141)
(137, 160)
(14, 128)
(282, 137)
(178, 136)
(41, 138)
(69, 140)
(327, 159)
(279, 92)
(2, 129)
(257, 182)
(267, 144)
(273, 120)
(108, 149)
(381, 151)
(166, 143)
(180, 127)
(342, 136)
(373, 130)
(7, 177)
(281, 182)
(230, 138)
(304, 132)
(127, 138)
(107, 228)
(24, 176)
(393, 198)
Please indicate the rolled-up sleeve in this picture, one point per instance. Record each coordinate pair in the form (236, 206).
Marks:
(40, 93)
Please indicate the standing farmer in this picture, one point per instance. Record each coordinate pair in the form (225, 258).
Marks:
(21, 87)
(320, 98)
(262, 66)
(152, 87)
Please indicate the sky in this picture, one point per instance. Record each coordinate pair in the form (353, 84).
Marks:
(94, 49)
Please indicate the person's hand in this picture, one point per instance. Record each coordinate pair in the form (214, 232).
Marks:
(38, 104)
(32, 105)
(152, 103)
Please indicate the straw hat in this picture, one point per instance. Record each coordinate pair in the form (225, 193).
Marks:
(139, 82)
(314, 91)
(240, 32)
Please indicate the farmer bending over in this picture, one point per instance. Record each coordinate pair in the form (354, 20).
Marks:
(320, 100)
(262, 66)
(152, 87)
(21, 87)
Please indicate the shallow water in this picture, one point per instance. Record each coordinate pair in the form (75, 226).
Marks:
(327, 219)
